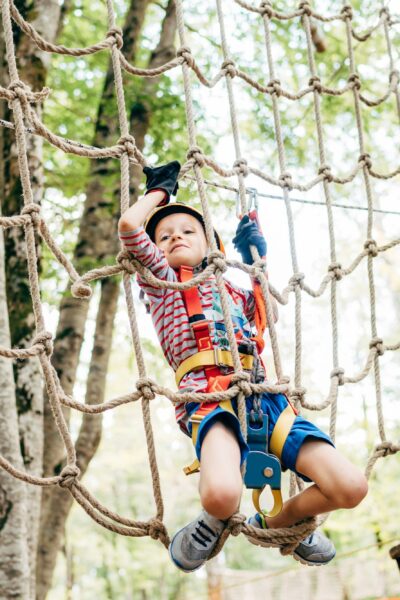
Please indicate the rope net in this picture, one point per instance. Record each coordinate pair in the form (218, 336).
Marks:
(26, 121)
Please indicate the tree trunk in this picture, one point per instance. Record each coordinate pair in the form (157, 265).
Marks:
(33, 67)
(14, 567)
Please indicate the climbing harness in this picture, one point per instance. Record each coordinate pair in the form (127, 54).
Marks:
(262, 469)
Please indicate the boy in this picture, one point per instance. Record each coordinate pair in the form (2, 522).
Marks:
(174, 236)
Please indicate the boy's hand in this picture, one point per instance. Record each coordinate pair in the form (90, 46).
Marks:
(163, 178)
(248, 234)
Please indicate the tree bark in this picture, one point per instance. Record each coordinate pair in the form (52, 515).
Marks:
(14, 565)
(33, 67)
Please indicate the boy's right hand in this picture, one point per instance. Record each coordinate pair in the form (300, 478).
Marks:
(163, 178)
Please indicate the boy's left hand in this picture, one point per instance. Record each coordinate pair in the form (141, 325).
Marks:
(248, 234)
(163, 178)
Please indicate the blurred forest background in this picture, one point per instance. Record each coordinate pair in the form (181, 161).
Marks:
(59, 552)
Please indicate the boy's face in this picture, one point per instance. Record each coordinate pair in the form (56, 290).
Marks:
(182, 238)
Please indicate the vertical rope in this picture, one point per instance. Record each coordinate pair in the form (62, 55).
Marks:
(368, 190)
(393, 71)
(125, 176)
(225, 302)
(285, 179)
(242, 190)
(315, 80)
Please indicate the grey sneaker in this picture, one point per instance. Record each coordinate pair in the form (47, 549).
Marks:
(191, 546)
(314, 550)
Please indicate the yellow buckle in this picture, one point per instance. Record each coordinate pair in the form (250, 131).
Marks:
(194, 418)
(218, 358)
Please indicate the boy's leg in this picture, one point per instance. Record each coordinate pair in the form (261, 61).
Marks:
(220, 490)
(220, 478)
(337, 484)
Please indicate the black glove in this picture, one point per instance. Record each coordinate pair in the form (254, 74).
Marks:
(248, 234)
(163, 178)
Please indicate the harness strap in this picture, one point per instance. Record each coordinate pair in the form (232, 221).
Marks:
(196, 419)
(214, 357)
(260, 316)
(281, 431)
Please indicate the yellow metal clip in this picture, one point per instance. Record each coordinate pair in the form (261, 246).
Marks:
(278, 502)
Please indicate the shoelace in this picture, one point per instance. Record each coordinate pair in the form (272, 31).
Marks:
(201, 538)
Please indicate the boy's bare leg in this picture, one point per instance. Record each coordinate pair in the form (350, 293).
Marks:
(338, 484)
(220, 489)
(220, 478)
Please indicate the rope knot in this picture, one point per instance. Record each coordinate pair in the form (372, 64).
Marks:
(365, 159)
(315, 83)
(128, 142)
(355, 81)
(32, 210)
(296, 279)
(197, 155)
(297, 394)
(259, 267)
(235, 524)
(145, 387)
(186, 53)
(305, 7)
(371, 247)
(20, 91)
(68, 476)
(45, 339)
(80, 289)
(347, 12)
(217, 258)
(386, 448)
(275, 86)
(229, 67)
(123, 258)
(266, 9)
(325, 170)
(240, 166)
(336, 270)
(115, 35)
(339, 373)
(156, 529)
(284, 380)
(285, 180)
(378, 344)
(242, 380)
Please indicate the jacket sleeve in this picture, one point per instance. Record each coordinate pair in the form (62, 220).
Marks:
(138, 243)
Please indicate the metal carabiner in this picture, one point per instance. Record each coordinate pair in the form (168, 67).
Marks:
(278, 502)
(253, 199)
(252, 202)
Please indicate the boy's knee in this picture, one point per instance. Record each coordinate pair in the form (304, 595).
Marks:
(221, 501)
(352, 492)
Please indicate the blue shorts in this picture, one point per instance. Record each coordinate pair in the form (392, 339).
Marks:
(272, 405)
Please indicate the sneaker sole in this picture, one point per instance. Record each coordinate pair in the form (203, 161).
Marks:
(310, 563)
(300, 559)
